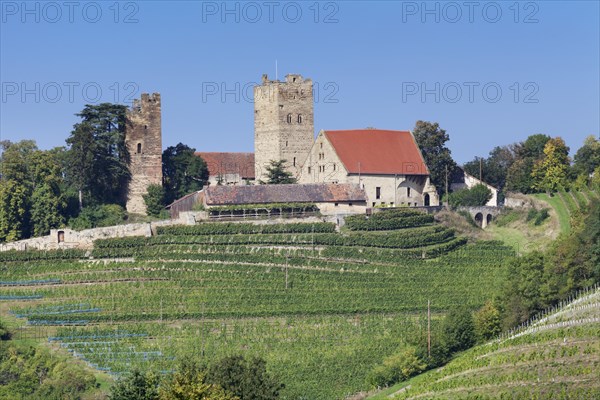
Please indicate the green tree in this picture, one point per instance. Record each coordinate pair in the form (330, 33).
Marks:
(14, 211)
(98, 156)
(519, 174)
(523, 294)
(136, 385)
(183, 172)
(189, 383)
(247, 379)
(550, 172)
(99, 216)
(476, 196)
(48, 204)
(155, 200)
(458, 330)
(587, 157)
(487, 322)
(495, 167)
(431, 139)
(277, 174)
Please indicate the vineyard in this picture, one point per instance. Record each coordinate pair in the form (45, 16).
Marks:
(554, 356)
(322, 307)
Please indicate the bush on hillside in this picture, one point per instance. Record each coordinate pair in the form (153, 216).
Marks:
(487, 322)
(458, 330)
(396, 368)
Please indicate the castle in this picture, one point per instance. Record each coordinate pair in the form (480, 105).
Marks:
(386, 164)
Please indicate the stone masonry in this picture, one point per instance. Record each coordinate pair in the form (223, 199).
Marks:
(143, 137)
(283, 123)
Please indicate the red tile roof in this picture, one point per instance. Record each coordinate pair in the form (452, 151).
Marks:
(375, 151)
(295, 193)
(229, 163)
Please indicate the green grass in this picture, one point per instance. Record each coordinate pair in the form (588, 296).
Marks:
(555, 358)
(564, 215)
(321, 317)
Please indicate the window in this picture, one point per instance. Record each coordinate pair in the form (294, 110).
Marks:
(309, 170)
(299, 118)
(61, 236)
(377, 192)
(286, 143)
(294, 160)
(350, 204)
(373, 204)
(139, 148)
(289, 118)
(336, 204)
(321, 144)
(407, 192)
(145, 126)
(334, 167)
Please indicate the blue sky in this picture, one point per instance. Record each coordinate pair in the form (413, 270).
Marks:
(490, 73)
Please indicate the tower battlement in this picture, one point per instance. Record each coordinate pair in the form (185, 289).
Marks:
(283, 122)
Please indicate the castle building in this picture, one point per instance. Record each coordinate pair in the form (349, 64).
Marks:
(283, 123)
(143, 137)
(387, 164)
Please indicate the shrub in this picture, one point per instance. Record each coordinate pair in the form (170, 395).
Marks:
(476, 196)
(99, 216)
(487, 322)
(396, 368)
(136, 385)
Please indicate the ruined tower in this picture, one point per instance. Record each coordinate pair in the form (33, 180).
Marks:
(283, 123)
(143, 137)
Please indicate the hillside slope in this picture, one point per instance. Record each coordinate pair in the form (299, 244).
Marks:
(554, 357)
(321, 307)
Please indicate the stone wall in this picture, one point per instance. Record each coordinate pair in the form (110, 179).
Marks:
(283, 123)
(143, 137)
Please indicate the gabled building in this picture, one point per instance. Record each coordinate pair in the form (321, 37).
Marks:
(387, 164)
(229, 168)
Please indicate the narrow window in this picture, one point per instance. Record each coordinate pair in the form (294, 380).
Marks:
(286, 143)
(309, 170)
(294, 159)
(321, 144)
(334, 167)
(289, 118)
(407, 192)
(299, 118)
(61, 236)
(373, 204)
(336, 204)
(377, 192)
(139, 148)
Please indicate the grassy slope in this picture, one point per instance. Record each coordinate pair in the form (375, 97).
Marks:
(556, 357)
(560, 208)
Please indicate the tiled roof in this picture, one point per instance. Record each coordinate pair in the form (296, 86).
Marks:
(229, 163)
(295, 193)
(375, 151)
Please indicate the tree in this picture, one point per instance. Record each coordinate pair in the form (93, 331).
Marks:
(183, 172)
(487, 322)
(431, 139)
(247, 379)
(587, 157)
(136, 385)
(276, 173)
(519, 174)
(189, 383)
(48, 204)
(476, 196)
(14, 211)
(495, 167)
(458, 330)
(550, 173)
(155, 200)
(98, 155)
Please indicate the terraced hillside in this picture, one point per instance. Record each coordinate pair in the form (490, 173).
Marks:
(566, 203)
(322, 307)
(554, 357)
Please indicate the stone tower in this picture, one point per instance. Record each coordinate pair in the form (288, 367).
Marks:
(143, 137)
(283, 123)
